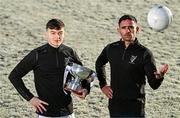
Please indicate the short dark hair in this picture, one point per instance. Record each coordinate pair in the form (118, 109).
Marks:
(127, 16)
(55, 24)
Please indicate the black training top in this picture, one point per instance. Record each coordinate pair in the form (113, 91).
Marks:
(128, 70)
(48, 65)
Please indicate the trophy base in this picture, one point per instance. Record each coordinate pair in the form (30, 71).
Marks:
(78, 92)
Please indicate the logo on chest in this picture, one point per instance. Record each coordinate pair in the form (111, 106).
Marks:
(132, 59)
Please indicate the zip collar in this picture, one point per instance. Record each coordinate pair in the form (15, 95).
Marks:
(136, 42)
(51, 48)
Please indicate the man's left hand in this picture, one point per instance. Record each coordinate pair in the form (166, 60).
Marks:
(162, 71)
(83, 94)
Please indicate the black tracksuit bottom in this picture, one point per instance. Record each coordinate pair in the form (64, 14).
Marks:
(126, 109)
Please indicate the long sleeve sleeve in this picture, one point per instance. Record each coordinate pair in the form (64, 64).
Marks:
(76, 58)
(22, 68)
(150, 68)
(100, 67)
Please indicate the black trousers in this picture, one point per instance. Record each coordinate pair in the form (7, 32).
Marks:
(126, 109)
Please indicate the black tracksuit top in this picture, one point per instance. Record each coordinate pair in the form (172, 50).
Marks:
(128, 66)
(48, 65)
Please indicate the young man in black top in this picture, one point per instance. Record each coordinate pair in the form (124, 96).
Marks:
(129, 62)
(48, 63)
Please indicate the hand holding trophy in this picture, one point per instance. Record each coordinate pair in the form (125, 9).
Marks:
(77, 78)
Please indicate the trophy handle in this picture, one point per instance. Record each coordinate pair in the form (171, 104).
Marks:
(66, 72)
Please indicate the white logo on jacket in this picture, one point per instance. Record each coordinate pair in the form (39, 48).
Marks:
(132, 59)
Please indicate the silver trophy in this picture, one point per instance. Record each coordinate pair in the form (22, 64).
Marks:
(78, 74)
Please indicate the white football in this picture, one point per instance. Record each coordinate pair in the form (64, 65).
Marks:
(159, 17)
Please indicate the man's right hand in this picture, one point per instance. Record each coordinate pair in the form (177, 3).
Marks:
(107, 91)
(38, 104)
